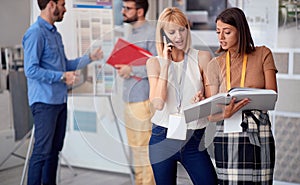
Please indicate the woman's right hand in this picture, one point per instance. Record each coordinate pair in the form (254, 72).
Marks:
(167, 51)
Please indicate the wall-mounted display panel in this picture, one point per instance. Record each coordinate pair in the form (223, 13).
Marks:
(262, 20)
(288, 24)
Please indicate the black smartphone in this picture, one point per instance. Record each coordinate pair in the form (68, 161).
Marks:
(164, 34)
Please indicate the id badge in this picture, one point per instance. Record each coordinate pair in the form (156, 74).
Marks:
(177, 127)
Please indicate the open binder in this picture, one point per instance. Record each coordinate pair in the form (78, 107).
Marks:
(260, 99)
(127, 53)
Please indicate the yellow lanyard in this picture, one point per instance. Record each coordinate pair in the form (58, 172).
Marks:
(228, 79)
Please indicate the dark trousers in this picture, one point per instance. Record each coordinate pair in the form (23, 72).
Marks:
(165, 153)
(50, 127)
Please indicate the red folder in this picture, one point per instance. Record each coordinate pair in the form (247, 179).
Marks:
(127, 53)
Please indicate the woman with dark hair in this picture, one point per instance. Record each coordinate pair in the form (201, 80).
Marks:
(246, 157)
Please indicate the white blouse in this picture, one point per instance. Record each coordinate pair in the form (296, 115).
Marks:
(192, 84)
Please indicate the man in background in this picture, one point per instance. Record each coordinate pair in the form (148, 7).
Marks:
(136, 90)
(48, 73)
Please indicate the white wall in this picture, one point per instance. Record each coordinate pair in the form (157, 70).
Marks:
(14, 20)
(65, 28)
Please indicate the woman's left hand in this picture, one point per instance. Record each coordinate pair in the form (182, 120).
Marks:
(233, 107)
(198, 97)
(228, 110)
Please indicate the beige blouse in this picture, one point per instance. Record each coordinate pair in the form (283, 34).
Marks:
(258, 62)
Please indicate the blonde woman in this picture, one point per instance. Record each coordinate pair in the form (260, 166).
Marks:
(175, 75)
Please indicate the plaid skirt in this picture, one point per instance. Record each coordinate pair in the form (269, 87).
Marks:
(248, 157)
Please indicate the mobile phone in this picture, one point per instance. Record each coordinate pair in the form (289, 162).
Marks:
(164, 34)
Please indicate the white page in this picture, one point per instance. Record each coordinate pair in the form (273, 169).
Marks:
(233, 124)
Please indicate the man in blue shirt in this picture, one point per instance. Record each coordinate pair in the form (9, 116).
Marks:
(48, 73)
(136, 90)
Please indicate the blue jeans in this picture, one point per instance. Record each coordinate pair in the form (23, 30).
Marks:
(165, 153)
(50, 127)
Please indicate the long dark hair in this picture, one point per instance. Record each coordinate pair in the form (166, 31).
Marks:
(236, 17)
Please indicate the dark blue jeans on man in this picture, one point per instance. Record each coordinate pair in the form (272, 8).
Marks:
(50, 127)
(166, 153)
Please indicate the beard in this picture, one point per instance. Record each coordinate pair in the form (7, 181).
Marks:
(58, 15)
(130, 20)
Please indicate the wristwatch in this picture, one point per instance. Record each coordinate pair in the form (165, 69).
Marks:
(63, 78)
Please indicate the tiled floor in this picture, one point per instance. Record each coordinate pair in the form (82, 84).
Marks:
(81, 176)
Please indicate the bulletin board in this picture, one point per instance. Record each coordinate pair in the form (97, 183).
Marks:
(94, 24)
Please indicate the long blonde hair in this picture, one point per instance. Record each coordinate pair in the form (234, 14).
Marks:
(171, 15)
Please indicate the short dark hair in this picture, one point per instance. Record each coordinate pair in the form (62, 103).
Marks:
(236, 17)
(43, 3)
(140, 4)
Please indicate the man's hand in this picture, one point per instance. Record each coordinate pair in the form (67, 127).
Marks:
(71, 77)
(97, 54)
(124, 71)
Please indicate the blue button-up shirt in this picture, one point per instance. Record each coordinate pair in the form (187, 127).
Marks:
(45, 62)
